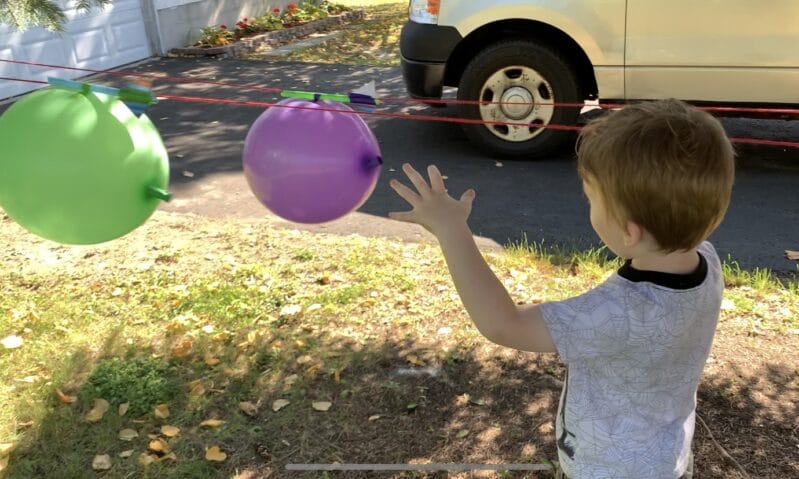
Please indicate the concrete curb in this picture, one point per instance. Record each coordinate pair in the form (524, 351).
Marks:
(250, 44)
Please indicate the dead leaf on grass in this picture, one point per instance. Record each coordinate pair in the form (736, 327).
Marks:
(374, 417)
(162, 411)
(159, 445)
(6, 448)
(101, 462)
(146, 459)
(210, 360)
(322, 406)
(170, 431)
(196, 388)
(123, 408)
(64, 398)
(127, 453)
(171, 456)
(213, 453)
(183, 347)
(414, 360)
(128, 434)
(249, 408)
(212, 423)
(462, 433)
(279, 404)
(96, 413)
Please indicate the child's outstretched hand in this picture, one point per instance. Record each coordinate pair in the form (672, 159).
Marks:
(433, 208)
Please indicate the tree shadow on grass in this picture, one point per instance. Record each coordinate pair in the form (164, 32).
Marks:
(393, 402)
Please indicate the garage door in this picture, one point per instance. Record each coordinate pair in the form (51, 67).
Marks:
(99, 39)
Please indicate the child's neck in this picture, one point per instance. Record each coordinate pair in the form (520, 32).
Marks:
(680, 262)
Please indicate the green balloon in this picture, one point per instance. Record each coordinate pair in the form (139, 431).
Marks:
(79, 167)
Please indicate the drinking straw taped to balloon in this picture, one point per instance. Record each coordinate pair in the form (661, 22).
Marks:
(364, 97)
(136, 98)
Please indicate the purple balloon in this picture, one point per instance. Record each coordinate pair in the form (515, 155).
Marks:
(311, 166)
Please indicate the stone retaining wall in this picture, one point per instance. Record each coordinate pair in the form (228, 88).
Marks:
(273, 38)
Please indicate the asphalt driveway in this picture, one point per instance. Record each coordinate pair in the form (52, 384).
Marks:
(539, 200)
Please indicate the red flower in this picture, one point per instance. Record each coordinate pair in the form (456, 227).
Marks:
(245, 20)
(292, 7)
(223, 27)
(276, 10)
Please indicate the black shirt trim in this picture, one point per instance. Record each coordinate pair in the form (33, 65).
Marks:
(667, 280)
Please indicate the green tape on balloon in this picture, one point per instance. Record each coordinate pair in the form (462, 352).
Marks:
(79, 167)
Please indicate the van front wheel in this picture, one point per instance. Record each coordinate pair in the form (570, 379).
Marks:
(518, 82)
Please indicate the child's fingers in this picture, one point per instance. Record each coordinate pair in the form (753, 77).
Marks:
(468, 195)
(436, 180)
(417, 179)
(406, 193)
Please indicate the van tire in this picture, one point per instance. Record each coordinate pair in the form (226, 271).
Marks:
(559, 81)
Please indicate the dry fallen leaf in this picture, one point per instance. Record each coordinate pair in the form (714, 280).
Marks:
(183, 347)
(11, 342)
(374, 417)
(64, 398)
(322, 405)
(462, 433)
(146, 459)
(159, 445)
(96, 413)
(196, 388)
(123, 408)
(101, 462)
(248, 408)
(214, 454)
(414, 359)
(290, 380)
(170, 431)
(279, 404)
(127, 453)
(210, 360)
(162, 411)
(6, 448)
(128, 434)
(171, 455)
(212, 423)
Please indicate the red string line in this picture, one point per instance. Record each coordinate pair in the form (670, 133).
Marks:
(185, 80)
(444, 119)
(407, 116)
(149, 76)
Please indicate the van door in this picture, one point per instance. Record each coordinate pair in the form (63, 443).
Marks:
(713, 50)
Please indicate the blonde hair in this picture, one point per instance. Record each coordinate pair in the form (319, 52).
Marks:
(663, 165)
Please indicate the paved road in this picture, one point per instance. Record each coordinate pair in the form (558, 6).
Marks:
(541, 200)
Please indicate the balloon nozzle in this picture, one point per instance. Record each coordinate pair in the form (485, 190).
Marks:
(160, 193)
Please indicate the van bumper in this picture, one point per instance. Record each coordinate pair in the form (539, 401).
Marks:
(424, 51)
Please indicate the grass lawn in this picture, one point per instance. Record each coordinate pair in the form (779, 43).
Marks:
(304, 348)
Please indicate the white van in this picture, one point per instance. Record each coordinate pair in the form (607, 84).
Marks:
(538, 52)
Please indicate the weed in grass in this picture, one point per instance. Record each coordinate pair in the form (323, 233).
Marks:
(559, 255)
(304, 256)
(341, 296)
(141, 382)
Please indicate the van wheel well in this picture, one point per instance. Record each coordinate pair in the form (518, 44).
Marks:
(522, 30)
